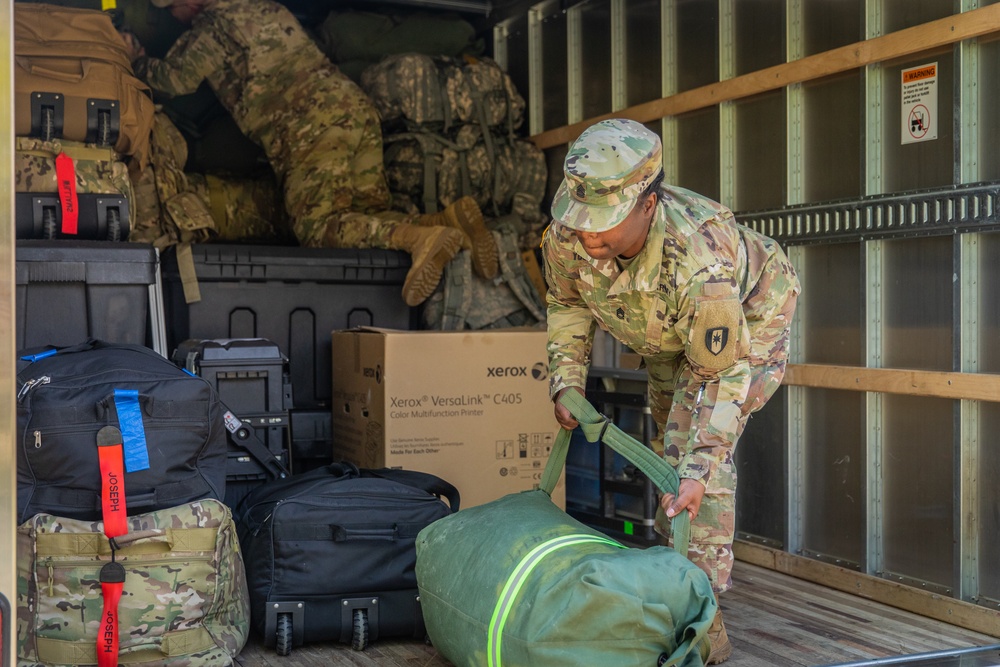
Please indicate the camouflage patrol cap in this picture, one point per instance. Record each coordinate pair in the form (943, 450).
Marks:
(607, 168)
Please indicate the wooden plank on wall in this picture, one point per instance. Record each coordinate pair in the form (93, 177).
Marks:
(970, 386)
(927, 36)
(925, 603)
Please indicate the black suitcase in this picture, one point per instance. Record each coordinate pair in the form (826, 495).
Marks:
(330, 553)
(172, 423)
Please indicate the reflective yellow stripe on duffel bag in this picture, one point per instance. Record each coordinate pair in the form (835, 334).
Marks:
(517, 578)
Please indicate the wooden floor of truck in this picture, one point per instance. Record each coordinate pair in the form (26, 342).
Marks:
(773, 620)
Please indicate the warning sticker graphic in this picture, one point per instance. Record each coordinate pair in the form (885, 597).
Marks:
(919, 104)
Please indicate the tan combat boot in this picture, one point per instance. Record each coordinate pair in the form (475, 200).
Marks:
(430, 248)
(721, 648)
(466, 216)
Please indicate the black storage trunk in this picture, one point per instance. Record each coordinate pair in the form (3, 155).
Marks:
(292, 296)
(69, 291)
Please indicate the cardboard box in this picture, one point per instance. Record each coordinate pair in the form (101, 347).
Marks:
(471, 407)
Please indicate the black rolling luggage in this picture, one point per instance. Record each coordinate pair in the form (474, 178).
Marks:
(330, 553)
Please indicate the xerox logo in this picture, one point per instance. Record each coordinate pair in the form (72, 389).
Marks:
(539, 371)
(370, 372)
(506, 371)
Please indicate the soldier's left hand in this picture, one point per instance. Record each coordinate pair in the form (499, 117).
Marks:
(689, 497)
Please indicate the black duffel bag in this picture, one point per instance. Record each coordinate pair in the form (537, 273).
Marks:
(330, 553)
(174, 437)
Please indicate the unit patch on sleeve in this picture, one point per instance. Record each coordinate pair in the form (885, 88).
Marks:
(715, 333)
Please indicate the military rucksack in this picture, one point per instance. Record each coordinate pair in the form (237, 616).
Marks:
(436, 93)
(244, 209)
(102, 196)
(463, 300)
(184, 599)
(167, 211)
(504, 174)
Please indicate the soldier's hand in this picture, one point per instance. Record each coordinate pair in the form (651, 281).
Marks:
(689, 497)
(563, 415)
(133, 46)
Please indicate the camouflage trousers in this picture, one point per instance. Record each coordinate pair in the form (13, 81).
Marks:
(335, 189)
(713, 530)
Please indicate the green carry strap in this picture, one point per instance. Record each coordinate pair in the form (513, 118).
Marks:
(598, 428)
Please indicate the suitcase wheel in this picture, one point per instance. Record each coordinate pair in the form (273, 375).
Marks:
(50, 226)
(360, 639)
(48, 123)
(114, 225)
(283, 635)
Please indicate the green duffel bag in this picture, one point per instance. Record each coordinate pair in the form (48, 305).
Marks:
(517, 582)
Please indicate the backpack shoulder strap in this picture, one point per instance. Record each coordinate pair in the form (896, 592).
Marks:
(513, 270)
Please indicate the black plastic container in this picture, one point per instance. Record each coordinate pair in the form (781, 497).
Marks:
(68, 291)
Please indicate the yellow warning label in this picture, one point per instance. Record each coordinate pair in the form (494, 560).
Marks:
(920, 73)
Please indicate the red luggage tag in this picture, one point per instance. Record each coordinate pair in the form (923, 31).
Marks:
(66, 186)
(112, 461)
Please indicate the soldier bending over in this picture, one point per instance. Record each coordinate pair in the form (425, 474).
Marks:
(319, 131)
(706, 302)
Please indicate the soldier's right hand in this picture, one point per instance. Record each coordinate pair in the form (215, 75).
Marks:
(133, 46)
(563, 415)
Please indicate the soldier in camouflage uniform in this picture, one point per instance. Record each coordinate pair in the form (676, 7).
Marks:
(319, 131)
(705, 301)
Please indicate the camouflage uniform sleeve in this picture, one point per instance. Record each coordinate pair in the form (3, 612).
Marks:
(571, 325)
(195, 55)
(711, 395)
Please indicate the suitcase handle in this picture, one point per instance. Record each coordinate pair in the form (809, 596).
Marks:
(65, 77)
(598, 428)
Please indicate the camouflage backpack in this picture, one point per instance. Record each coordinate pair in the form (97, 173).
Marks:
(463, 300)
(244, 209)
(184, 600)
(167, 211)
(99, 175)
(436, 93)
(504, 174)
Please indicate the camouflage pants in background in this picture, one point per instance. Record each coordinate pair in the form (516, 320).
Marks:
(335, 188)
(713, 530)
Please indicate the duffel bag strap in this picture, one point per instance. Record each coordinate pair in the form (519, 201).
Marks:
(112, 462)
(598, 428)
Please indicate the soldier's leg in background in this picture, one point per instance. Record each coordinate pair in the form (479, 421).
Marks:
(370, 188)
(430, 248)
(321, 178)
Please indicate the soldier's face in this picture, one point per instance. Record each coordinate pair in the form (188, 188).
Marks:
(626, 238)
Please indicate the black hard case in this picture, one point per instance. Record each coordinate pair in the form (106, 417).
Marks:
(251, 377)
(330, 553)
